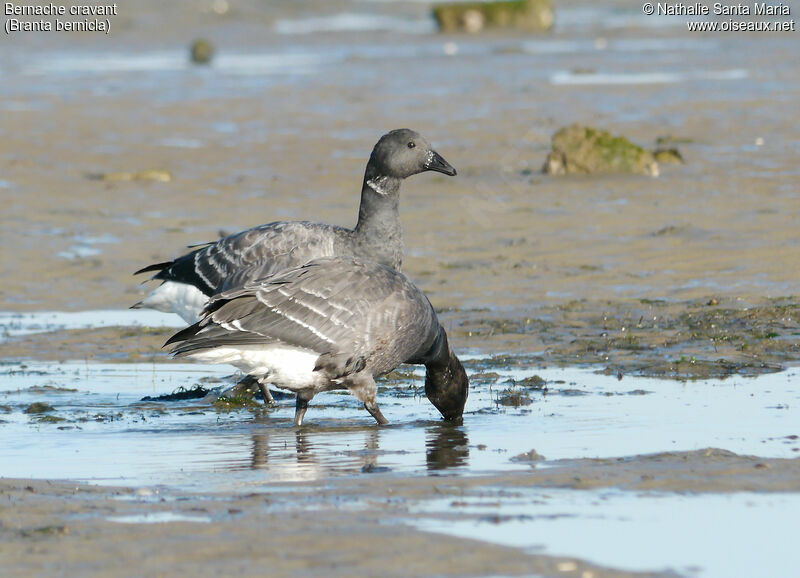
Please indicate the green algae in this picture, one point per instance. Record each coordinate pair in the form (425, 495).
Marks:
(38, 407)
(46, 418)
(238, 401)
(579, 149)
(530, 15)
(698, 339)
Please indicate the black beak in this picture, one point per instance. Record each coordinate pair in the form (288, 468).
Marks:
(435, 162)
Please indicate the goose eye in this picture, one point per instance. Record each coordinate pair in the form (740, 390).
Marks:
(412, 144)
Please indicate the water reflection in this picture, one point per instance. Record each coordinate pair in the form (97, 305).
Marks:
(304, 454)
(311, 454)
(446, 446)
(260, 451)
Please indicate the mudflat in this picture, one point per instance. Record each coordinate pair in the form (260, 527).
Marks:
(116, 152)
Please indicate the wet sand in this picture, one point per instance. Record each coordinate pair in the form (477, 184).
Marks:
(245, 535)
(348, 527)
(691, 274)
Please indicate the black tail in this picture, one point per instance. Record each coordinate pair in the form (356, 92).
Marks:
(192, 330)
(156, 267)
(183, 334)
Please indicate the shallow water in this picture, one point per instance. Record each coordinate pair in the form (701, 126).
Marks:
(17, 324)
(714, 536)
(103, 433)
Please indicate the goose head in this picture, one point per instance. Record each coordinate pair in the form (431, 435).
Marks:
(446, 381)
(402, 153)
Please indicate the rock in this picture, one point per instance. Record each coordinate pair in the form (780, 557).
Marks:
(39, 407)
(668, 156)
(472, 17)
(586, 150)
(201, 51)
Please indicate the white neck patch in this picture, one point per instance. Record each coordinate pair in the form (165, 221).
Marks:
(378, 185)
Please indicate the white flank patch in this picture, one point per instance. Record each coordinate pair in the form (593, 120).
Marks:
(179, 298)
(286, 367)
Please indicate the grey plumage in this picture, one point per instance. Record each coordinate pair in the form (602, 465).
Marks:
(267, 249)
(360, 319)
(339, 308)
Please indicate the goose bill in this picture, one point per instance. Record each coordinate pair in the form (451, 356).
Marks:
(435, 162)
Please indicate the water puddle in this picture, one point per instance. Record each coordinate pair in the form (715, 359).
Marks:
(597, 78)
(708, 535)
(158, 518)
(355, 22)
(95, 428)
(84, 246)
(17, 324)
(280, 63)
(620, 45)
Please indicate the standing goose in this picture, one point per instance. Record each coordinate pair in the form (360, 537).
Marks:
(190, 280)
(334, 323)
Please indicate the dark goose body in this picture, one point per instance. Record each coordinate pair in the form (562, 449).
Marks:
(191, 279)
(334, 323)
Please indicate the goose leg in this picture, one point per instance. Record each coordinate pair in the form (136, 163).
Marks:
(300, 407)
(362, 385)
(375, 412)
(268, 399)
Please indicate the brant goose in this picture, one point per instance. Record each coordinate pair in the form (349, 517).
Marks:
(190, 280)
(334, 323)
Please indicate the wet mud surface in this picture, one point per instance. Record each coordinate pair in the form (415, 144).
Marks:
(631, 341)
(686, 340)
(339, 531)
(383, 517)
